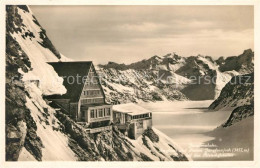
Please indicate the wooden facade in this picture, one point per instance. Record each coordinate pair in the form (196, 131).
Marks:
(85, 98)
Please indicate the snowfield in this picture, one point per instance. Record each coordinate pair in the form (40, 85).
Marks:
(197, 130)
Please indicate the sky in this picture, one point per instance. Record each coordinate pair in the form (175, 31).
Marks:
(126, 34)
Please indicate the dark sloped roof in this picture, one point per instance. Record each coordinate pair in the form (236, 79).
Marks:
(73, 74)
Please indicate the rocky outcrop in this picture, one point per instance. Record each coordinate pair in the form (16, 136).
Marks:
(237, 96)
(239, 114)
(112, 145)
(20, 126)
(238, 91)
(79, 138)
(137, 85)
(243, 63)
(15, 136)
(151, 135)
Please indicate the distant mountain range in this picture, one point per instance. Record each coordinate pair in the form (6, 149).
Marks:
(172, 77)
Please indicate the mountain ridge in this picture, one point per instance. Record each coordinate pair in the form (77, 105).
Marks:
(186, 77)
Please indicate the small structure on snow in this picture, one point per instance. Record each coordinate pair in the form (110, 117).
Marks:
(132, 119)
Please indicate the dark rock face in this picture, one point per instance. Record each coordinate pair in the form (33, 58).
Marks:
(14, 139)
(239, 114)
(151, 135)
(15, 97)
(203, 73)
(242, 63)
(16, 111)
(80, 140)
(46, 43)
(237, 89)
(181, 156)
(33, 143)
(200, 91)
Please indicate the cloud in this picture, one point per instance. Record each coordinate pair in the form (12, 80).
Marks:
(132, 33)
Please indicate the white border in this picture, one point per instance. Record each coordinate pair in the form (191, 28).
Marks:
(62, 164)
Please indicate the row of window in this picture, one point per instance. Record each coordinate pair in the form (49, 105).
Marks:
(92, 79)
(141, 116)
(90, 101)
(92, 82)
(97, 113)
(92, 92)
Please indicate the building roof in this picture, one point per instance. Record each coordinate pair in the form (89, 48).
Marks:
(70, 71)
(130, 108)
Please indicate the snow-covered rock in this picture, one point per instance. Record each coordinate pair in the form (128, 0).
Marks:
(172, 77)
(35, 43)
(237, 92)
(122, 86)
(29, 77)
(115, 146)
(237, 96)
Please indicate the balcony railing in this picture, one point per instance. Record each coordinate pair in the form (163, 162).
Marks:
(99, 119)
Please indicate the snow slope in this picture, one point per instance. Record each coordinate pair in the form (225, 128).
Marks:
(50, 82)
(238, 137)
(55, 143)
(164, 149)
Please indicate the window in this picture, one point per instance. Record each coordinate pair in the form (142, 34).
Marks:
(104, 111)
(100, 112)
(139, 124)
(92, 114)
(108, 111)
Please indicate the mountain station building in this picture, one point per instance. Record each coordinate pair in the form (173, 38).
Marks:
(85, 99)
